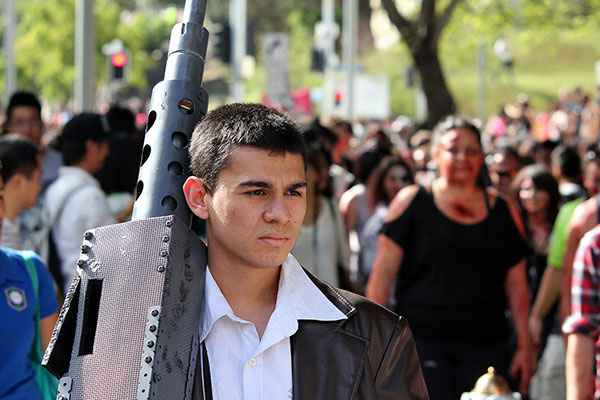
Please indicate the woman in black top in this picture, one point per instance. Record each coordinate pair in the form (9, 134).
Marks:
(462, 257)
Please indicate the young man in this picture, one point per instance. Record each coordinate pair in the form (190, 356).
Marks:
(270, 329)
(24, 117)
(21, 173)
(75, 201)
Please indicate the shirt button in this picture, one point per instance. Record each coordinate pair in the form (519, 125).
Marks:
(252, 362)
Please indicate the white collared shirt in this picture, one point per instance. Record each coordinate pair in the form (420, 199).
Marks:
(242, 366)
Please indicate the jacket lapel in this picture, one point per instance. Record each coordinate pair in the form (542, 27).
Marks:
(327, 360)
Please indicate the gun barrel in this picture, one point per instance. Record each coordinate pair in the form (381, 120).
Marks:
(178, 103)
(194, 11)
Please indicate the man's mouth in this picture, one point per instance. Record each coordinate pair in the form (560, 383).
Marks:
(274, 239)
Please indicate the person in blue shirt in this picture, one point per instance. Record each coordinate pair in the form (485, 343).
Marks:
(18, 304)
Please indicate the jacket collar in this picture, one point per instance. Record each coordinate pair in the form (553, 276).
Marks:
(336, 297)
(327, 360)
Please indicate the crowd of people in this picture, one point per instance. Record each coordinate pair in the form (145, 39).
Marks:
(470, 231)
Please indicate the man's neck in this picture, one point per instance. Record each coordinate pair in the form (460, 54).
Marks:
(251, 292)
(86, 166)
(12, 210)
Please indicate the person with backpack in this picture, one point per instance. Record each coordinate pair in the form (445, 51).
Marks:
(75, 202)
(29, 310)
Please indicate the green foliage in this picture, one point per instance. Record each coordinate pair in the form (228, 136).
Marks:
(45, 44)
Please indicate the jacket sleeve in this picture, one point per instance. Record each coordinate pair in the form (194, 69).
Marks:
(399, 375)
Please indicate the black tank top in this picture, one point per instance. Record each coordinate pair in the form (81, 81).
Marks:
(451, 282)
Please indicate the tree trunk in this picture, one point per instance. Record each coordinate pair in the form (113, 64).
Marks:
(365, 36)
(439, 100)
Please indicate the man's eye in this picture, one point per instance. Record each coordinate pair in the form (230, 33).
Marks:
(295, 193)
(257, 192)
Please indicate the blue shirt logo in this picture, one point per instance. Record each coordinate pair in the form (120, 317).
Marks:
(16, 298)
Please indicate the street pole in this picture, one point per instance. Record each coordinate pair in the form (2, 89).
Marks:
(84, 55)
(10, 72)
(350, 26)
(481, 94)
(237, 21)
(328, 18)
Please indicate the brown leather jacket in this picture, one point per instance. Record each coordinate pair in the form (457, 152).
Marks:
(371, 355)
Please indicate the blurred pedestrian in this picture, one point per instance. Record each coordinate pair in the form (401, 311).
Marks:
(566, 168)
(505, 165)
(75, 202)
(395, 174)
(24, 117)
(29, 310)
(321, 246)
(583, 325)
(21, 174)
(461, 253)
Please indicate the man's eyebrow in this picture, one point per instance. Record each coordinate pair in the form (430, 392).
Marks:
(297, 185)
(260, 184)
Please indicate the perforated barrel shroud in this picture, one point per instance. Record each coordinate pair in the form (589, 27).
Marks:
(130, 320)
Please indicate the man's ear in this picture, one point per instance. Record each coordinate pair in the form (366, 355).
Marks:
(196, 194)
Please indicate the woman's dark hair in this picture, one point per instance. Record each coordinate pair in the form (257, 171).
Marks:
(386, 166)
(542, 180)
(454, 122)
(370, 156)
(316, 152)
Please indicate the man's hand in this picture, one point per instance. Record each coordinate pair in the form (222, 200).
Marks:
(522, 364)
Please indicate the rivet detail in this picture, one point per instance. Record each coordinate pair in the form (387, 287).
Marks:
(161, 268)
(152, 328)
(148, 359)
(163, 253)
(88, 235)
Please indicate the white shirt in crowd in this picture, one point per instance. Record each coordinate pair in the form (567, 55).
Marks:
(85, 207)
(11, 236)
(242, 366)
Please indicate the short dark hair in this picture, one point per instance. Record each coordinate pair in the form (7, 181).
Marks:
(20, 99)
(17, 155)
(567, 159)
(239, 124)
(81, 128)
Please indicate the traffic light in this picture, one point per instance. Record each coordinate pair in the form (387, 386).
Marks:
(117, 65)
(317, 61)
(221, 41)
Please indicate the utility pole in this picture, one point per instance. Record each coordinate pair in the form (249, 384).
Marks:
(10, 73)
(84, 55)
(237, 21)
(328, 20)
(350, 34)
(481, 94)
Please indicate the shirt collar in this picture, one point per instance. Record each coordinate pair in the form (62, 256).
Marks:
(297, 299)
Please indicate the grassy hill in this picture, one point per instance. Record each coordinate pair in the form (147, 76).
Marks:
(542, 65)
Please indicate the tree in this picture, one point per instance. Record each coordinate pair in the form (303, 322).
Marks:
(422, 36)
(45, 44)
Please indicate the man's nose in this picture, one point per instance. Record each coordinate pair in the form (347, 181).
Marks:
(277, 211)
